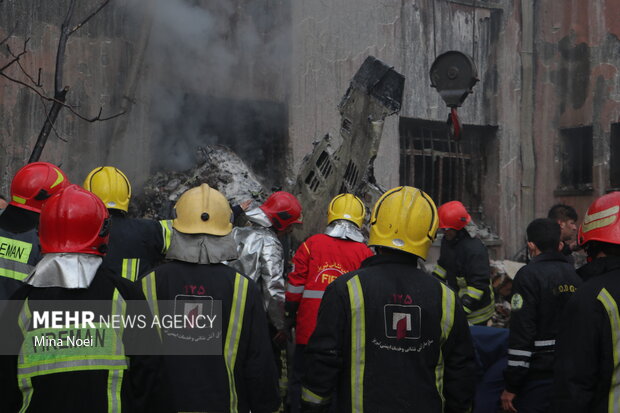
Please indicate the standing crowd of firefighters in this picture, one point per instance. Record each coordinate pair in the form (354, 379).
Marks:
(372, 331)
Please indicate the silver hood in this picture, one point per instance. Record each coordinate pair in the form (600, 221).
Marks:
(201, 248)
(344, 229)
(65, 270)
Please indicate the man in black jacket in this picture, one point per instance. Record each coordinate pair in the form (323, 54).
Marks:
(390, 338)
(136, 244)
(31, 186)
(464, 264)
(587, 374)
(242, 377)
(540, 292)
(111, 373)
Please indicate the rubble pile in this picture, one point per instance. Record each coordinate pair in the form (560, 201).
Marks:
(216, 165)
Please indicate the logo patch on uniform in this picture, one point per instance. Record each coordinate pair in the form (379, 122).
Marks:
(517, 302)
(402, 321)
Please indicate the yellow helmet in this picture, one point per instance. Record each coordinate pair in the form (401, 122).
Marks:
(348, 207)
(404, 218)
(203, 210)
(110, 185)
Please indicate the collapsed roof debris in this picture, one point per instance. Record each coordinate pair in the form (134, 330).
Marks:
(216, 165)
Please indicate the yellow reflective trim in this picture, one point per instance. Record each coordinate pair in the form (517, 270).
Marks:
(149, 288)
(15, 250)
(129, 268)
(482, 314)
(19, 199)
(473, 292)
(448, 305)
(59, 178)
(15, 275)
(358, 343)
(440, 271)
(311, 397)
(598, 224)
(614, 319)
(25, 386)
(233, 333)
(166, 231)
(115, 380)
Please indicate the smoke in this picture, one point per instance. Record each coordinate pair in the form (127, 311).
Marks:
(216, 72)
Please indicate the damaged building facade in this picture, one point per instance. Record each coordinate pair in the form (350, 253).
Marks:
(265, 78)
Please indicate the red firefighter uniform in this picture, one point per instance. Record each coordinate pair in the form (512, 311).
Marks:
(319, 261)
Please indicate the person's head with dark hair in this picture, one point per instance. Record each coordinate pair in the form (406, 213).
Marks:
(543, 235)
(566, 217)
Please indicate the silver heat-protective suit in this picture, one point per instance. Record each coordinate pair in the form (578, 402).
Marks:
(344, 229)
(261, 258)
(65, 270)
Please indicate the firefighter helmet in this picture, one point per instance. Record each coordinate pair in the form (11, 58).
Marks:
(74, 220)
(602, 221)
(282, 209)
(453, 215)
(347, 207)
(110, 185)
(203, 210)
(35, 183)
(404, 218)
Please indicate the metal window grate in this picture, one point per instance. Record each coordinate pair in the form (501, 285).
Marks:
(445, 169)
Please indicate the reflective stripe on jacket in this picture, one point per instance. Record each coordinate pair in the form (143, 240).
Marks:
(384, 330)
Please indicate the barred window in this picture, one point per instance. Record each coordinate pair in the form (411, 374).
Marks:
(445, 169)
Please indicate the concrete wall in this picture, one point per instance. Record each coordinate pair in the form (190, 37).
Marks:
(146, 57)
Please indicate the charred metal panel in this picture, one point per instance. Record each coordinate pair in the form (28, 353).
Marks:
(344, 163)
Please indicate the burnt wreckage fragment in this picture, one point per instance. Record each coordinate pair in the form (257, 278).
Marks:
(344, 163)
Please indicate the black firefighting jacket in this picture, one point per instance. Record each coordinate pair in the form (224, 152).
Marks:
(464, 265)
(243, 376)
(136, 245)
(587, 368)
(540, 291)
(46, 378)
(392, 339)
(19, 248)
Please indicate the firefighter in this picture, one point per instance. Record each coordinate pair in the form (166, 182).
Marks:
(136, 245)
(101, 376)
(318, 261)
(390, 337)
(31, 186)
(464, 264)
(244, 377)
(588, 349)
(261, 257)
(540, 292)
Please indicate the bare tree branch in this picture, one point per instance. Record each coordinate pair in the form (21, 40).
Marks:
(52, 123)
(15, 57)
(72, 109)
(90, 16)
(36, 83)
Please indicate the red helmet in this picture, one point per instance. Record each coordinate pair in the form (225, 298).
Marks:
(602, 221)
(74, 220)
(453, 215)
(283, 209)
(34, 183)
